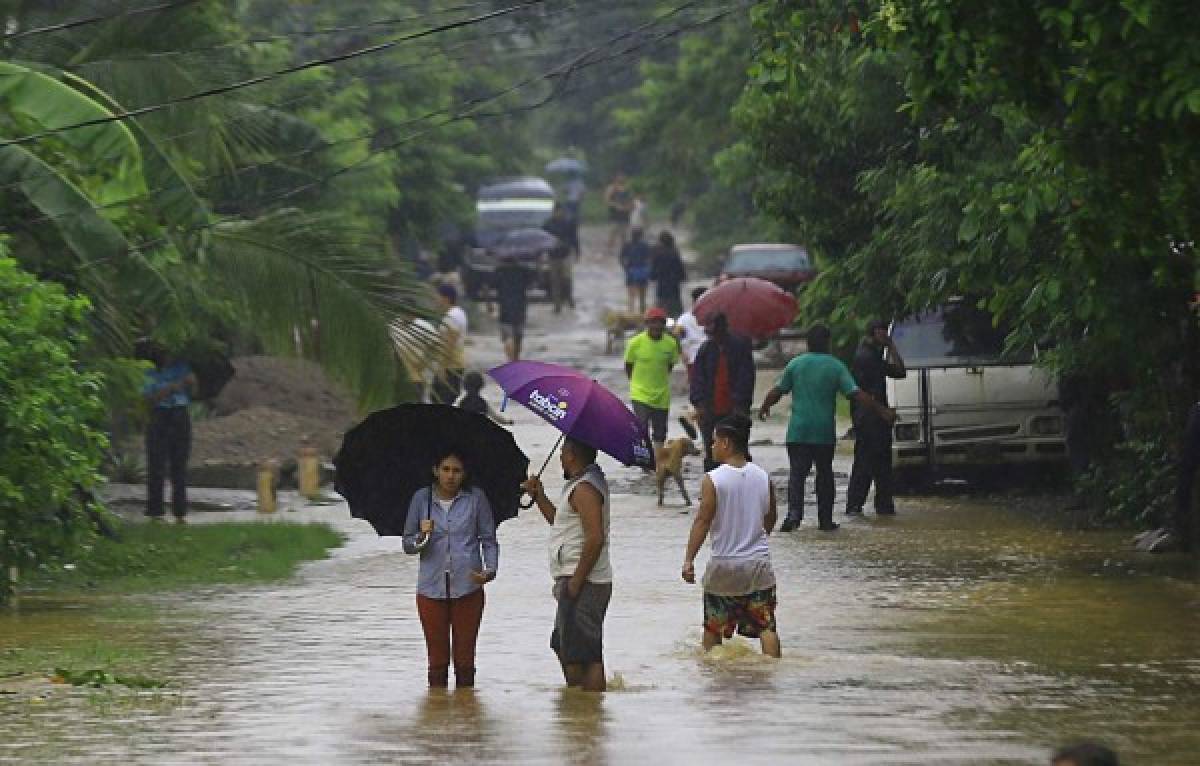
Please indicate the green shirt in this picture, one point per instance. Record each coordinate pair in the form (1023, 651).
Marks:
(652, 361)
(814, 380)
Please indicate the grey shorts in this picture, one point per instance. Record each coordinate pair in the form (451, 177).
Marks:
(578, 636)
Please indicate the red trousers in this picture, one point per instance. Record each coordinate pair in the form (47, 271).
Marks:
(443, 621)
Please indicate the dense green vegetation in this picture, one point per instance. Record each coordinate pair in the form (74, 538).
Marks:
(1037, 157)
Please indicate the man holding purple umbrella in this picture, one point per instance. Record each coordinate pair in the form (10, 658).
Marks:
(579, 564)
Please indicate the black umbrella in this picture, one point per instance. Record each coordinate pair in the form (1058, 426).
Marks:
(386, 458)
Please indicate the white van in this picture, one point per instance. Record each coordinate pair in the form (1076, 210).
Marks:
(965, 406)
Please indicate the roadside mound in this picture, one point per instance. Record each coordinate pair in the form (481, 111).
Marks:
(270, 408)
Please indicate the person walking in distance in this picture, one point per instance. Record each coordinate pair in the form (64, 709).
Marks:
(635, 260)
(168, 389)
(690, 333)
(814, 379)
(446, 387)
(512, 296)
(668, 273)
(876, 360)
(722, 381)
(649, 357)
(579, 564)
(561, 226)
(619, 201)
(737, 511)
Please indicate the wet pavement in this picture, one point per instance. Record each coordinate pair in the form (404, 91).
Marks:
(966, 630)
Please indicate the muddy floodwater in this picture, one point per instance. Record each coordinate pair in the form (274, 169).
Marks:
(966, 630)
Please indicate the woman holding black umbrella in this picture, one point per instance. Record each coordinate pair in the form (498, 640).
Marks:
(450, 524)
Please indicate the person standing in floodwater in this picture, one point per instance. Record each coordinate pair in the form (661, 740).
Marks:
(448, 382)
(451, 526)
(619, 201)
(737, 506)
(668, 273)
(635, 260)
(168, 389)
(649, 357)
(876, 360)
(814, 379)
(579, 564)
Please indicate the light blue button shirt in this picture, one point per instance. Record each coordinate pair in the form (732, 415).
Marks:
(463, 540)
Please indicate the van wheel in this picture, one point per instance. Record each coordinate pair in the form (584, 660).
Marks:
(908, 480)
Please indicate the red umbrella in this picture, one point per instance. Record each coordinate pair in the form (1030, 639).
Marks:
(754, 307)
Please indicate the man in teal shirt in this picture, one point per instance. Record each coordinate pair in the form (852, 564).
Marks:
(814, 380)
(649, 357)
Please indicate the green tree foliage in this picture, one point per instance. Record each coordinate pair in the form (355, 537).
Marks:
(1040, 155)
(51, 443)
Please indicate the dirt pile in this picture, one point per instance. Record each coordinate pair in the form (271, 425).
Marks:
(270, 408)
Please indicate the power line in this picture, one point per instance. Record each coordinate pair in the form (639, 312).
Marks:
(564, 71)
(97, 19)
(376, 23)
(260, 79)
(363, 78)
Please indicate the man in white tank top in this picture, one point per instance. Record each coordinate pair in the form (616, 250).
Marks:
(737, 505)
(579, 564)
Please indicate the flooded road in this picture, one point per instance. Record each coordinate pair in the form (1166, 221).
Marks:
(962, 631)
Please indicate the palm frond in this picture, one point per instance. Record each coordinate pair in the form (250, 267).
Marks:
(314, 287)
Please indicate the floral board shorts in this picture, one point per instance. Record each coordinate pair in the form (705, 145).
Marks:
(751, 613)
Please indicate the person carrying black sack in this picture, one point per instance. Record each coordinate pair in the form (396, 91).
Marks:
(876, 360)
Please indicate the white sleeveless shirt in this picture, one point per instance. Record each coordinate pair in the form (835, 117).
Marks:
(566, 534)
(740, 561)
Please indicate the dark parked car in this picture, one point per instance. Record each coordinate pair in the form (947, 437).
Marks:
(788, 266)
(509, 215)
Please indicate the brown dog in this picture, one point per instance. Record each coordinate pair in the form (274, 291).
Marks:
(668, 461)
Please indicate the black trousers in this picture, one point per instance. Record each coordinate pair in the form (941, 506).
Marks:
(168, 446)
(801, 459)
(872, 463)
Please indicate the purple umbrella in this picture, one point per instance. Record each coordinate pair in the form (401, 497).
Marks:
(579, 407)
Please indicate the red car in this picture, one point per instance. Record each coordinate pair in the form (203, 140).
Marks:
(788, 266)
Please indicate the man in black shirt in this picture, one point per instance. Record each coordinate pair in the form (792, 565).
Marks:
(561, 226)
(512, 282)
(873, 435)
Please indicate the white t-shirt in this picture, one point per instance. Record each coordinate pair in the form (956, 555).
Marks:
(741, 557)
(566, 534)
(455, 321)
(693, 336)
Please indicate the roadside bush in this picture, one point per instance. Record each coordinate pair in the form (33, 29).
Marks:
(51, 421)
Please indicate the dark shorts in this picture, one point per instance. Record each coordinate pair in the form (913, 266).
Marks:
(751, 614)
(578, 636)
(654, 418)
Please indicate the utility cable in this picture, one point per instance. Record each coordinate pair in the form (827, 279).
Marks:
(97, 19)
(471, 106)
(260, 79)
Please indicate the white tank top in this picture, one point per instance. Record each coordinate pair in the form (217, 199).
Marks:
(743, 500)
(566, 534)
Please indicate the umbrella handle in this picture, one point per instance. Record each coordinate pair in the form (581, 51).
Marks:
(530, 503)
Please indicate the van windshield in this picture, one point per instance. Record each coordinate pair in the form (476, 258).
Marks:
(953, 336)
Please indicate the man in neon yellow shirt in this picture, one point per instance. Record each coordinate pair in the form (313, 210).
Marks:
(649, 357)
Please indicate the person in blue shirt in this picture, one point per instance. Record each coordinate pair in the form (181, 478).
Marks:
(451, 526)
(168, 390)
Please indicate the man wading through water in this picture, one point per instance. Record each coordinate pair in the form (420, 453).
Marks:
(873, 434)
(579, 564)
(737, 504)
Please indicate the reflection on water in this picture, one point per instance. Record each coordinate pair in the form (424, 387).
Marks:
(956, 632)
